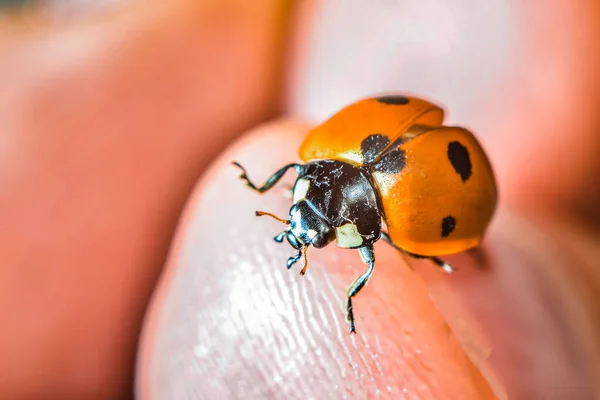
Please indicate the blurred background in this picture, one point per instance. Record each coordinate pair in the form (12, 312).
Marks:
(111, 110)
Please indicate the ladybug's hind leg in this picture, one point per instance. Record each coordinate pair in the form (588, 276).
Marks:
(368, 256)
(273, 179)
(436, 260)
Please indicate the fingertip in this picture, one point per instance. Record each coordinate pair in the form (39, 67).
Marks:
(230, 307)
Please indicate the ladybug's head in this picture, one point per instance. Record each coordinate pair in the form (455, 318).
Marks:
(306, 228)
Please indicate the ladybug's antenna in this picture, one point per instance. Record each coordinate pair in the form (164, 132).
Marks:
(303, 270)
(263, 213)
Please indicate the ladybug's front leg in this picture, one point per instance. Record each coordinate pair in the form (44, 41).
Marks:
(368, 256)
(273, 179)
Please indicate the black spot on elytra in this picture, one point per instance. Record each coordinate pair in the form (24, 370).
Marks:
(460, 160)
(393, 100)
(391, 163)
(448, 225)
(372, 146)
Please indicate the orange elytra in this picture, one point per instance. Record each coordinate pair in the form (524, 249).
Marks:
(388, 159)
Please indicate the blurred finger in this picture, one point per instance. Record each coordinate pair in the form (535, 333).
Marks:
(105, 124)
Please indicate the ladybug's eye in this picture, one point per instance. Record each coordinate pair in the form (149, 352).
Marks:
(307, 227)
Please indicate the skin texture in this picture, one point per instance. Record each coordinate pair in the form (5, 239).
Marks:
(105, 125)
(229, 320)
(229, 313)
(295, 325)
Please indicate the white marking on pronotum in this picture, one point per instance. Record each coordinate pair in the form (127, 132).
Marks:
(300, 190)
(347, 236)
(311, 233)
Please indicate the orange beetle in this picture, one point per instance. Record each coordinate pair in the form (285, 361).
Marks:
(387, 158)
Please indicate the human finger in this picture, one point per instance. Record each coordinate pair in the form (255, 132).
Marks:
(105, 123)
(229, 320)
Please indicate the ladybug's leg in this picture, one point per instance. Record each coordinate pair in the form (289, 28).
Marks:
(436, 260)
(303, 270)
(279, 238)
(439, 262)
(273, 179)
(294, 259)
(368, 256)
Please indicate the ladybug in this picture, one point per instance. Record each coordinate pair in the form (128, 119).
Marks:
(389, 159)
